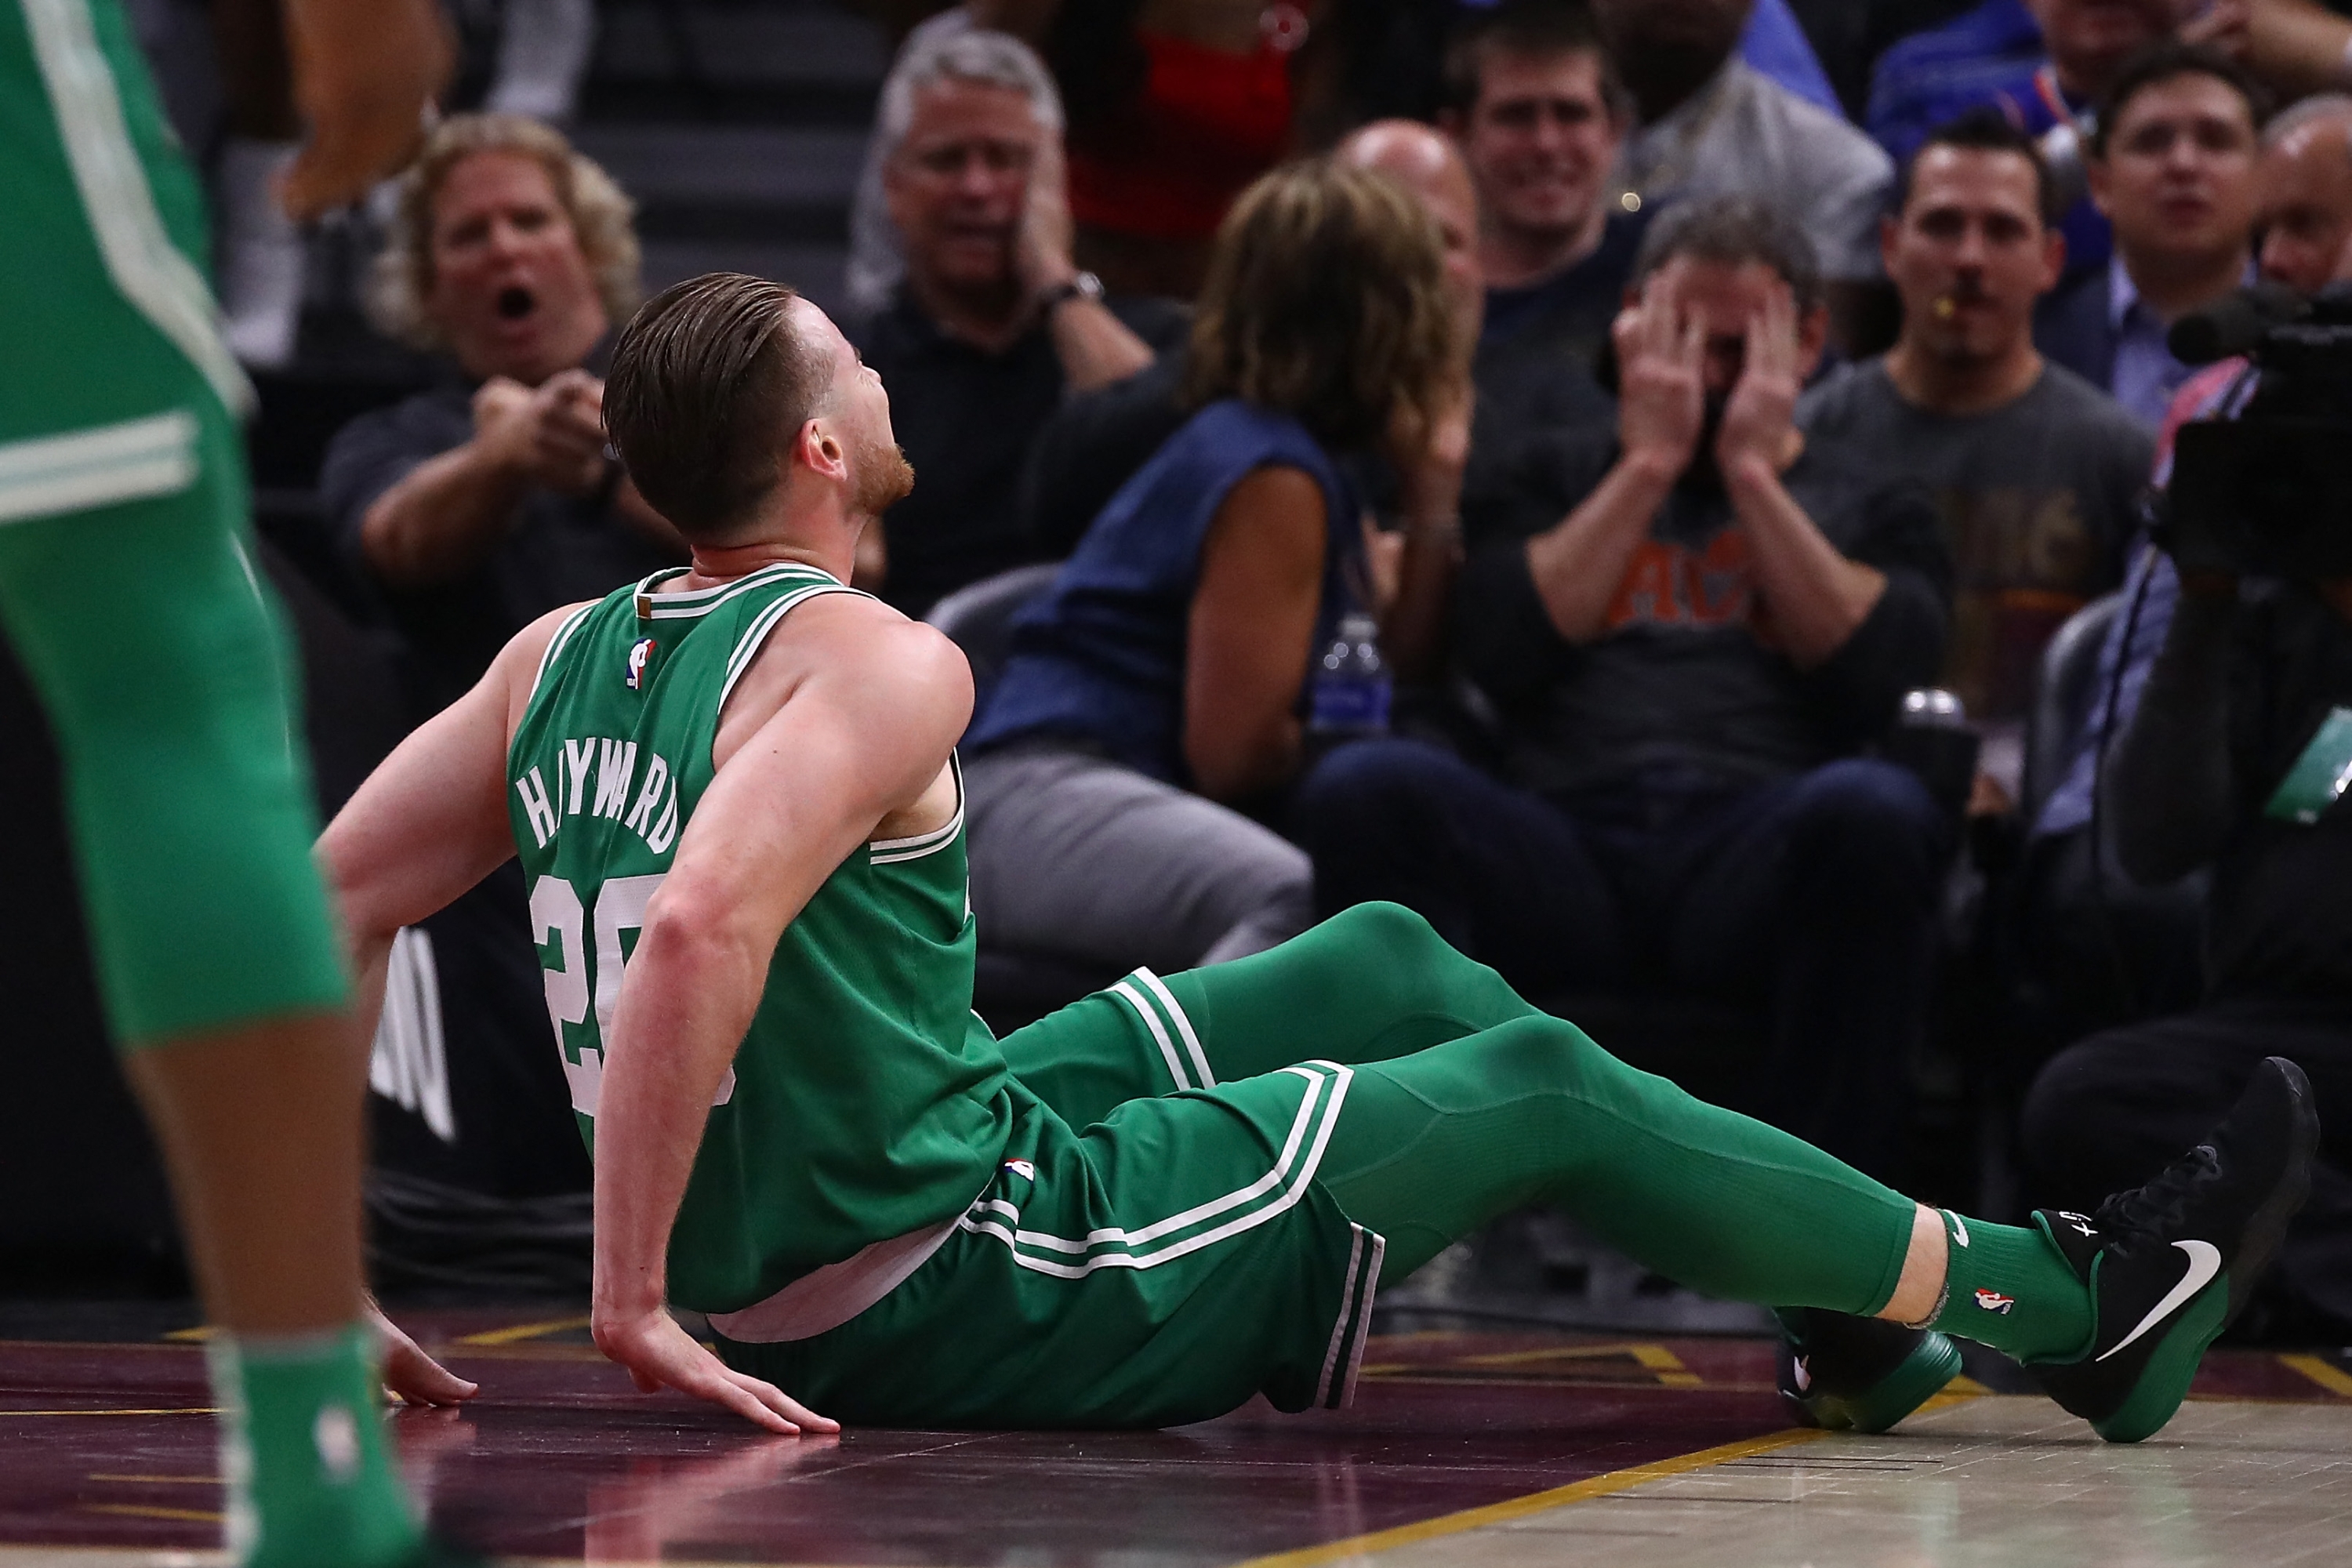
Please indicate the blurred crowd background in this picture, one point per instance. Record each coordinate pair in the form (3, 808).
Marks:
(1661, 487)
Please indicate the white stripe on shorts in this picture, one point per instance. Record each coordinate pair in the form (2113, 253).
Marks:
(50, 476)
(147, 268)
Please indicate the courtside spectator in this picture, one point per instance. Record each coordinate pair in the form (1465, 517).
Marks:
(2036, 473)
(2228, 764)
(992, 324)
(1689, 623)
(2042, 64)
(1164, 673)
(1707, 123)
(1537, 111)
(2171, 165)
(481, 504)
(2102, 950)
(1539, 114)
(2305, 183)
(1098, 441)
(1175, 107)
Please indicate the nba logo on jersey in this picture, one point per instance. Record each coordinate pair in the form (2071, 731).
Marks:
(640, 654)
(1023, 1169)
(1994, 1302)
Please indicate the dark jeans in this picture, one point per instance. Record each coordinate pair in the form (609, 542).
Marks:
(2110, 1113)
(1810, 901)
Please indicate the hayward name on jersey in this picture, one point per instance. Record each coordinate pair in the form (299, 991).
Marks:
(867, 1102)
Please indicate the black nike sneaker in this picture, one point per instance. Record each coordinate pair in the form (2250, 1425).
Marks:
(2169, 1264)
(1858, 1374)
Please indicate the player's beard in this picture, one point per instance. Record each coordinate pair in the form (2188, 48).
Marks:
(884, 477)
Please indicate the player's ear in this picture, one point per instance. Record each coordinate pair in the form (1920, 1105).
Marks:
(821, 448)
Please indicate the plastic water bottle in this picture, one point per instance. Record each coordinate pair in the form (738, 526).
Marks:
(1351, 685)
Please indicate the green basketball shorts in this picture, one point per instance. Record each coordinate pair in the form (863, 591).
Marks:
(1156, 1268)
(127, 586)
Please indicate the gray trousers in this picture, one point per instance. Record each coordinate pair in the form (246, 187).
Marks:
(1078, 856)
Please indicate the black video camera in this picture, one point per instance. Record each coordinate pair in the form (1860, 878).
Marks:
(2269, 492)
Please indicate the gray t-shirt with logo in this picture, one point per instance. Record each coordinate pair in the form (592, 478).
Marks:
(2038, 500)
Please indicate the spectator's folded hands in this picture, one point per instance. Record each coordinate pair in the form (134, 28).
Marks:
(552, 436)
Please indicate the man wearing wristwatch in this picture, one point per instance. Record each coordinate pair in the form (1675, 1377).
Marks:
(992, 324)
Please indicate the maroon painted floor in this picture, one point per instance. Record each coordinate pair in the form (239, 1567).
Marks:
(112, 1445)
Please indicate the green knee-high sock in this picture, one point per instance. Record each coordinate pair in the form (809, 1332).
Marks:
(302, 1450)
(1433, 1145)
(2009, 1286)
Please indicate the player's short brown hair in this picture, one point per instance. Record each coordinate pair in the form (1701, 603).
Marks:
(1325, 300)
(710, 384)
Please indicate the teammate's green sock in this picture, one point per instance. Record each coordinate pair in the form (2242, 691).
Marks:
(302, 1450)
(2008, 1287)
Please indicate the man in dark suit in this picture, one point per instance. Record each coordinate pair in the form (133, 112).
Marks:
(2171, 165)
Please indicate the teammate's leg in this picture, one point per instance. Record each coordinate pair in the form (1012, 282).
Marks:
(164, 675)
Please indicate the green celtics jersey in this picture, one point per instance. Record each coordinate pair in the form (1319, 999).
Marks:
(866, 1102)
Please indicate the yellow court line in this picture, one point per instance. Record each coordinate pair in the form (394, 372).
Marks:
(2325, 1372)
(522, 1331)
(1563, 1352)
(1666, 1365)
(190, 1336)
(191, 1410)
(138, 1510)
(163, 1480)
(1535, 1502)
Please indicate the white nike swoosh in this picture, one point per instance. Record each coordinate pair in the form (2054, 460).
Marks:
(2204, 1262)
(1959, 1231)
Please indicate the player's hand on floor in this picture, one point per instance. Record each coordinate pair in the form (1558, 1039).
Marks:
(659, 1354)
(411, 1376)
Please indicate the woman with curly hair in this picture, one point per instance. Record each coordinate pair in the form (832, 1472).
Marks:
(1161, 683)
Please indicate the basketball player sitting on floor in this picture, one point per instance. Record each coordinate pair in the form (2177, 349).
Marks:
(734, 791)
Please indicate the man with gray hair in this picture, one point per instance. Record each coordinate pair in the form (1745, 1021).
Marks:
(991, 322)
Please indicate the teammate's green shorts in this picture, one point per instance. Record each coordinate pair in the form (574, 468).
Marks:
(126, 585)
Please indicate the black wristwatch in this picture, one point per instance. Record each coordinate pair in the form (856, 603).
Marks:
(1080, 286)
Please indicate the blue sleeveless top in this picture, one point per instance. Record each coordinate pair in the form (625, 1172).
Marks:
(1099, 659)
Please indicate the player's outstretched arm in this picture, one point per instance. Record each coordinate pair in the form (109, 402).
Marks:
(431, 821)
(848, 715)
(428, 824)
(365, 71)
